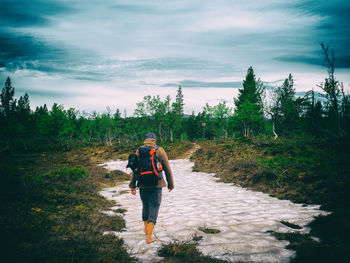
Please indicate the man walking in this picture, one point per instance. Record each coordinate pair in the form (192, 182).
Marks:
(153, 160)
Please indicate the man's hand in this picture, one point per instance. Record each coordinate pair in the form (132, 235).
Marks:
(133, 191)
(170, 190)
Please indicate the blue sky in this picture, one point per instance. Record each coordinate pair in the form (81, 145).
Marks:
(93, 54)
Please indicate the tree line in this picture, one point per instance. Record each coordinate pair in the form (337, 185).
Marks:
(258, 111)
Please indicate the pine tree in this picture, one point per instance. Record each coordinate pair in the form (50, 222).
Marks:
(179, 108)
(313, 114)
(286, 107)
(7, 101)
(23, 107)
(332, 89)
(248, 112)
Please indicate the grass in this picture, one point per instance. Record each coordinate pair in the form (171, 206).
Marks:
(56, 217)
(184, 251)
(304, 170)
(177, 150)
(121, 210)
(291, 225)
(50, 210)
(309, 250)
(209, 230)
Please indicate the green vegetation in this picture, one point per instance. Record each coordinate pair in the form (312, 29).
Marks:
(306, 170)
(209, 230)
(291, 225)
(281, 114)
(300, 169)
(56, 217)
(309, 250)
(178, 252)
(49, 178)
(121, 210)
(49, 207)
(249, 105)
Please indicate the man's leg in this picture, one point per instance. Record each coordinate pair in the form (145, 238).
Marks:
(144, 194)
(154, 201)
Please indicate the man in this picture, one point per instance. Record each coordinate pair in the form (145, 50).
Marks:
(151, 196)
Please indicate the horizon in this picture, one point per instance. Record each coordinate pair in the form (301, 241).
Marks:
(93, 55)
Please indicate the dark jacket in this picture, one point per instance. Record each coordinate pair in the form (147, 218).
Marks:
(163, 159)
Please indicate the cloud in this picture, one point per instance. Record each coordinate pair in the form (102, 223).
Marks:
(26, 52)
(16, 49)
(173, 63)
(340, 62)
(156, 45)
(136, 8)
(47, 93)
(26, 13)
(21, 49)
(203, 84)
(153, 8)
(332, 29)
(318, 95)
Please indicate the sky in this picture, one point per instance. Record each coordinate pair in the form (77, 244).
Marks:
(98, 53)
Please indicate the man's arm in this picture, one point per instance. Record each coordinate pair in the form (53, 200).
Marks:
(166, 167)
(132, 184)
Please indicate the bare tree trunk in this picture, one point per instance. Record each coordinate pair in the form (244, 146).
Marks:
(345, 105)
(109, 139)
(273, 129)
(160, 131)
(90, 135)
(171, 134)
(226, 133)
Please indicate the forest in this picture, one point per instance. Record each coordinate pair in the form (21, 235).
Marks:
(258, 111)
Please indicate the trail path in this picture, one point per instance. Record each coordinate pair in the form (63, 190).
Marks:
(242, 216)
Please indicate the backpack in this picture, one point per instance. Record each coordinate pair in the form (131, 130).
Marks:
(133, 163)
(150, 171)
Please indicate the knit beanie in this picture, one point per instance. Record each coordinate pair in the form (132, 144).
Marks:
(150, 135)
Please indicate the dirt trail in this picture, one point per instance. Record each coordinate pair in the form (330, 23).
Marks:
(198, 200)
(192, 151)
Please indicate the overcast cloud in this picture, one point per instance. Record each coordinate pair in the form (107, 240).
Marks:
(93, 54)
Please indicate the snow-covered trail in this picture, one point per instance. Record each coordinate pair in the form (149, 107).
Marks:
(242, 216)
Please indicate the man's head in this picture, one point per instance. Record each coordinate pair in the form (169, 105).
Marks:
(150, 135)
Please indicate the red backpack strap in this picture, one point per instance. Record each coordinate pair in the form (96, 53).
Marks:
(160, 167)
(153, 152)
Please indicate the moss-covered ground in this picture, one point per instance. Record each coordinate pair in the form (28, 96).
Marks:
(50, 209)
(184, 251)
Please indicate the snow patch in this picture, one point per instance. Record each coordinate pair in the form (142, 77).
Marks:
(243, 217)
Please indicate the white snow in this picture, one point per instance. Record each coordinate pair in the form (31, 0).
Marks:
(242, 216)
